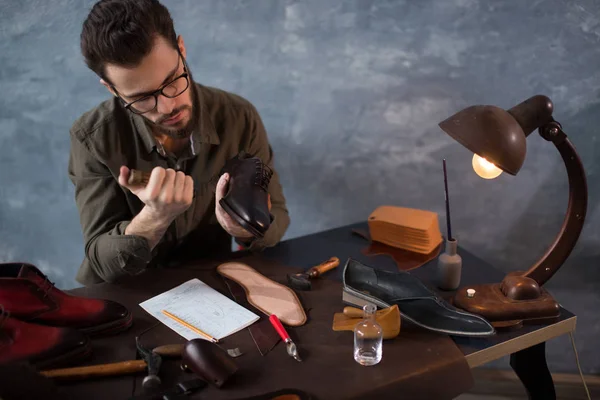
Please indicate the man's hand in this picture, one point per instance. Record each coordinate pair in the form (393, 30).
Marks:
(228, 223)
(167, 194)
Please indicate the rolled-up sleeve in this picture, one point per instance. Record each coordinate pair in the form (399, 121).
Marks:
(259, 146)
(104, 215)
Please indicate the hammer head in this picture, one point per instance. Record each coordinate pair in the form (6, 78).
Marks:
(153, 360)
(299, 281)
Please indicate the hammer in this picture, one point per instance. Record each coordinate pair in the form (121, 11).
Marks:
(301, 281)
(151, 361)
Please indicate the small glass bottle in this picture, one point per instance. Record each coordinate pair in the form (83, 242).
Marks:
(368, 337)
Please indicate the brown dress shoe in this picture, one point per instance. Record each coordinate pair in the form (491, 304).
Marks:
(40, 345)
(29, 296)
(247, 198)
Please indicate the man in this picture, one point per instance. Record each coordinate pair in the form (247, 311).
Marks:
(158, 120)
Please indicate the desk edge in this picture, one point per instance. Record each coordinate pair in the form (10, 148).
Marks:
(484, 356)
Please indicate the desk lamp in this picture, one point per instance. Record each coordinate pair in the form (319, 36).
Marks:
(498, 140)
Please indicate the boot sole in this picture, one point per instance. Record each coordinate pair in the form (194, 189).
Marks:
(353, 299)
(110, 328)
(245, 224)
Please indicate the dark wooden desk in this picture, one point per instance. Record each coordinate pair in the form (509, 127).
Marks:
(526, 346)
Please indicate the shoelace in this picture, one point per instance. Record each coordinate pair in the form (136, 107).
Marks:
(263, 175)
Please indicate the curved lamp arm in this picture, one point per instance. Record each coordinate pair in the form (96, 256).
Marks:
(562, 246)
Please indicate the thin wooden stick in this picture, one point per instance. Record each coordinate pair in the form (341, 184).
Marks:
(448, 223)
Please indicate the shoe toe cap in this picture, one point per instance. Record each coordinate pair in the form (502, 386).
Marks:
(114, 311)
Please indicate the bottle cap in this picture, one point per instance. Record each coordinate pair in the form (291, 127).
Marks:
(470, 292)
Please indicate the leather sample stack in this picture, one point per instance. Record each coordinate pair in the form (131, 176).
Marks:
(406, 228)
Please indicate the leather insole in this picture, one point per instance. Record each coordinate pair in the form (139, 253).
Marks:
(266, 295)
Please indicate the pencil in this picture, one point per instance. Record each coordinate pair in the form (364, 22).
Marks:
(187, 325)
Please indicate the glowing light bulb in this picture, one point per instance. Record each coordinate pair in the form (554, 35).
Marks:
(484, 168)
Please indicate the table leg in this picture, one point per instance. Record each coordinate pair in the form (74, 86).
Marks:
(530, 366)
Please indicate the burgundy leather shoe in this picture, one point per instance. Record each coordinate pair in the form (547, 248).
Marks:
(28, 295)
(42, 346)
(247, 198)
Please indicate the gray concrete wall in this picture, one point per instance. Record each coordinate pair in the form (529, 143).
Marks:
(351, 93)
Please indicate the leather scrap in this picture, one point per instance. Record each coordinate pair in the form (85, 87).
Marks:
(262, 333)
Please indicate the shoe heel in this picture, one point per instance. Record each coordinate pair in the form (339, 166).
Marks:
(353, 300)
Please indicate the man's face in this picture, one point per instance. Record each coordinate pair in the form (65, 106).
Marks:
(171, 116)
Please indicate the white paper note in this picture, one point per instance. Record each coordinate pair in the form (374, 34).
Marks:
(202, 307)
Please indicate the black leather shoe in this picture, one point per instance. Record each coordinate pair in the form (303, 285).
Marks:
(418, 304)
(247, 200)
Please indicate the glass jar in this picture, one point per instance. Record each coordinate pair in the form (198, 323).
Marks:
(368, 337)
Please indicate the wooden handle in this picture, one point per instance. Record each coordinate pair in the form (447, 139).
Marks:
(92, 371)
(353, 312)
(320, 269)
(169, 350)
(138, 177)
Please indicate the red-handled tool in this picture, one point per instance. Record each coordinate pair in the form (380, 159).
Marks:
(289, 344)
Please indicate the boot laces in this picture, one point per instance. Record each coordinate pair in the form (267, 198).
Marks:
(263, 175)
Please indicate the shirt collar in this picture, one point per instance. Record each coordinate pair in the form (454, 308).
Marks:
(204, 133)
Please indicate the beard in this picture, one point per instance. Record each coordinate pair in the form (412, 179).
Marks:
(175, 132)
(193, 110)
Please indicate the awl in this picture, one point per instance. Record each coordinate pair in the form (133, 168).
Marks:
(291, 348)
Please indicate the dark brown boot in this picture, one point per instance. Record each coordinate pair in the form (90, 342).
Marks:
(247, 199)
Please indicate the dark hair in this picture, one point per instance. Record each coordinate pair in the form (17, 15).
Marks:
(122, 32)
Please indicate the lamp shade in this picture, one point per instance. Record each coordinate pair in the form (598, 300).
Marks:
(498, 135)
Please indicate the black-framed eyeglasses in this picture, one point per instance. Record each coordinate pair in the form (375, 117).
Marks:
(170, 89)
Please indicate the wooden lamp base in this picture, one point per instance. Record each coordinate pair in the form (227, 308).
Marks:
(516, 301)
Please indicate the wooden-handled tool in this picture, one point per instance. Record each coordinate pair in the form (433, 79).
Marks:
(96, 371)
(138, 177)
(301, 281)
(141, 178)
(320, 269)
(112, 369)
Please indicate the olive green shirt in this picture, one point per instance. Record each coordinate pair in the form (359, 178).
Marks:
(109, 136)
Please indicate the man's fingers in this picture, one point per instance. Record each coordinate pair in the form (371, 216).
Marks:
(188, 189)
(178, 187)
(157, 176)
(124, 176)
(221, 187)
(269, 201)
(168, 186)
